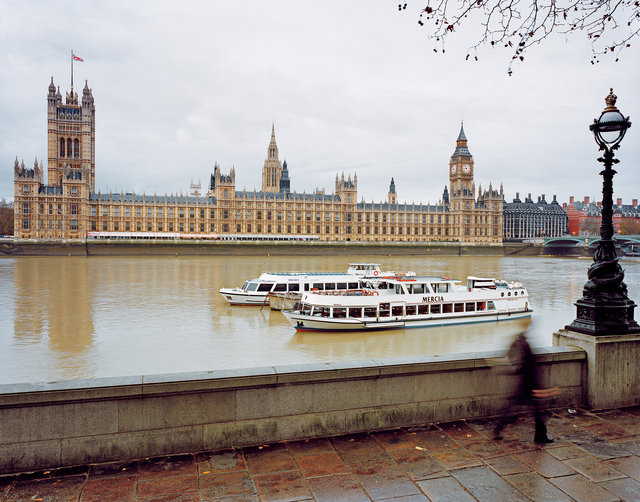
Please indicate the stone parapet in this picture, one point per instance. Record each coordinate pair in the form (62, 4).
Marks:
(48, 425)
(612, 377)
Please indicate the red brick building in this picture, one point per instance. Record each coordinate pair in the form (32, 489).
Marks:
(585, 217)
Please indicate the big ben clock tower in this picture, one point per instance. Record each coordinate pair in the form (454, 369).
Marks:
(462, 187)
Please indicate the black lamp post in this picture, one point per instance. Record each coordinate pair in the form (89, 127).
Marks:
(605, 308)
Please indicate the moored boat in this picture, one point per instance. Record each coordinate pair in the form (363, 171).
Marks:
(288, 285)
(407, 301)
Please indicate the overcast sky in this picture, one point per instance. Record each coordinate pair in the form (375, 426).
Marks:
(352, 87)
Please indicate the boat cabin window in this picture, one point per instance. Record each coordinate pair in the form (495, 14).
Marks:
(280, 287)
(355, 311)
(417, 289)
(321, 311)
(490, 306)
(244, 286)
(306, 286)
(319, 286)
(481, 306)
(410, 309)
(370, 312)
(396, 310)
(265, 286)
(399, 289)
(436, 309)
(339, 312)
(294, 287)
(384, 309)
(458, 307)
(470, 307)
(440, 287)
(341, 285)
(330, 285)
(306, 309)
(423, 308)
(252, 286)
(447, 308)
(353, 285)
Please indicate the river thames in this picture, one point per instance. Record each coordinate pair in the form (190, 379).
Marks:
(76, 317)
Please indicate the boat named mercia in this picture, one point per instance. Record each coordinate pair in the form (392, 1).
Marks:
(408, 301)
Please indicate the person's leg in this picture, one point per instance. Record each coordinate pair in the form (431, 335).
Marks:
(540, 435)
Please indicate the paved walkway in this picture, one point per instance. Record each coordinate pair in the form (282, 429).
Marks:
(596, 457)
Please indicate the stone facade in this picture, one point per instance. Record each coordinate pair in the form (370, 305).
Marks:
(68, 207)
(534, 220)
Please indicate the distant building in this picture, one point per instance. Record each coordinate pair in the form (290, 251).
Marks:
(67, 206)
(585, 216)
(534, 220)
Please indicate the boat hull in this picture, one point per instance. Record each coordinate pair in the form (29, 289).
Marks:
(310, 323)
(283, 301)
(240, 297)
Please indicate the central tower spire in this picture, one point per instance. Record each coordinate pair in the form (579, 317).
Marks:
(272, 170)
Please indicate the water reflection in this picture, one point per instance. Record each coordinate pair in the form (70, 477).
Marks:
(73, 317)
(52, 307)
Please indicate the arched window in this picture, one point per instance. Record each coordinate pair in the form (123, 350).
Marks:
(61, 147)
(76, 148)
(69, 150)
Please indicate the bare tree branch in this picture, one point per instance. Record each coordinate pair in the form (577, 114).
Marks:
(520, 24)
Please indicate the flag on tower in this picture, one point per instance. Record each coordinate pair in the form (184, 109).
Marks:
(77, 58)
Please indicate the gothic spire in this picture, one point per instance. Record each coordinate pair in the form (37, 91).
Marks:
(461, 144)
(461, 136)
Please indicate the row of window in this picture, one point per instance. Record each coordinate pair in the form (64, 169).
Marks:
(70, 148)
(388, 310)
(160, 226)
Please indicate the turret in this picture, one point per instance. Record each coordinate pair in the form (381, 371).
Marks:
(285, 183)
(392, 196)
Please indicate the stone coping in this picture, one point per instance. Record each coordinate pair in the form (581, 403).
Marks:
(20, 394)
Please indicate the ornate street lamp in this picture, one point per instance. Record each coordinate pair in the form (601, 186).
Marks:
(605, 308)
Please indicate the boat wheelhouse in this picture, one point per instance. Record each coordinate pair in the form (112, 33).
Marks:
(409, 301)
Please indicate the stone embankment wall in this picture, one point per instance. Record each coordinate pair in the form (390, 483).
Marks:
(196, 247)
(13, 247)
(78, 422)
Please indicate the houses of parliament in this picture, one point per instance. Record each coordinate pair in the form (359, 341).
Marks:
(67, 205)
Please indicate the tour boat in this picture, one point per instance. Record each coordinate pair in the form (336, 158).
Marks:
(408, 301)
(283, 289)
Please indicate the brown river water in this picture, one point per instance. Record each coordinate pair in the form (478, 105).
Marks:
(76, 317)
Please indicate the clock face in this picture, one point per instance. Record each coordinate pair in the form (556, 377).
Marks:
(466, 168)
(453, 169)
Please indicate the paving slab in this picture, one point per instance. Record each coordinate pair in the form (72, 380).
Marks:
(416, 462)
(593, 469)
(446, 489)
(627, 465)
(536, 487)
(544, 464)
(626, 488)
(383, 479)
(581, 489)
(485, 485)
(342, 487)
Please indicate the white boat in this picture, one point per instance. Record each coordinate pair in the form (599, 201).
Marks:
(289, 285)
(408, 301)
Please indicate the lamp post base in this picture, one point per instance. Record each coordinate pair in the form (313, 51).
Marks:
(600, 318)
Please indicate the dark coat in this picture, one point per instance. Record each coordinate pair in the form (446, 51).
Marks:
(521, 356)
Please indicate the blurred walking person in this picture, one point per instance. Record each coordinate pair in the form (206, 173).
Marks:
(528, 391)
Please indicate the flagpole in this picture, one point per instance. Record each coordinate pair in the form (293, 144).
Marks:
(71, 70)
